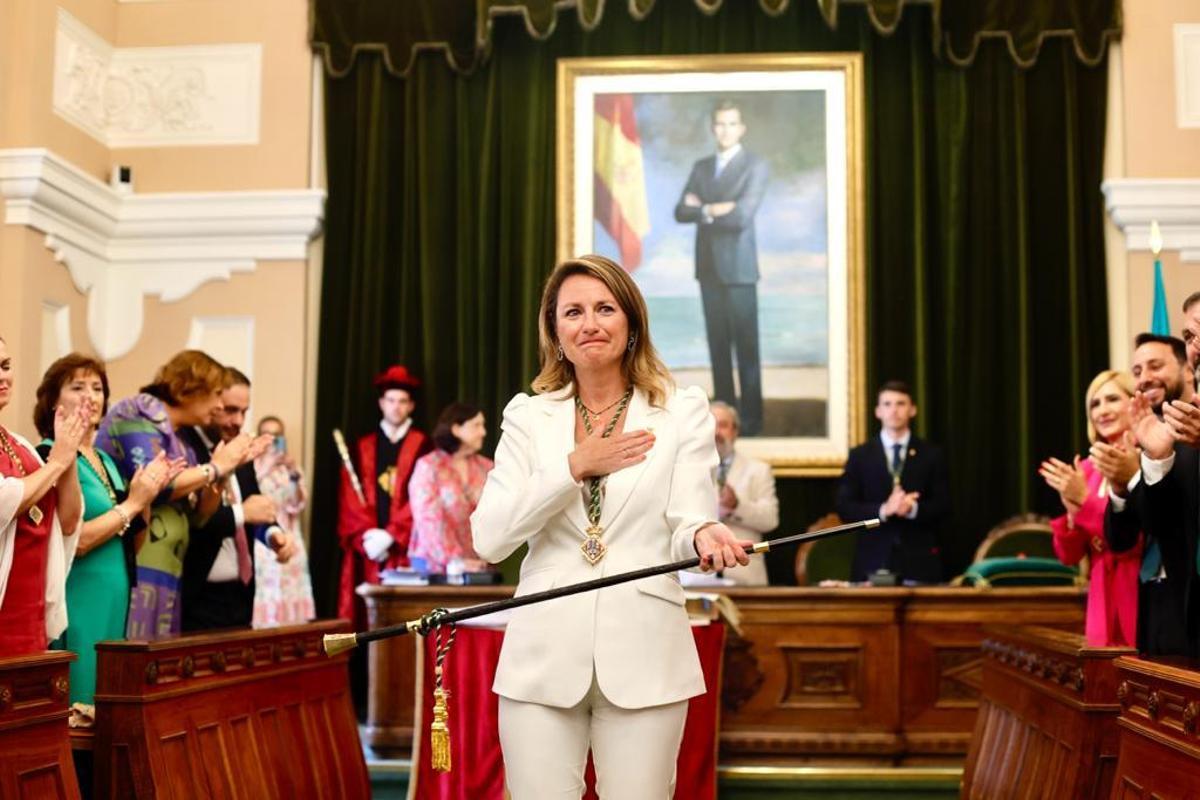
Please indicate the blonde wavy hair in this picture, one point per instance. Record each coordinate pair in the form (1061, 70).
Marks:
(641, 365)
(1124, 382)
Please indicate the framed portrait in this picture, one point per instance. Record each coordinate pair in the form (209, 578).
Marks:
(730, 187)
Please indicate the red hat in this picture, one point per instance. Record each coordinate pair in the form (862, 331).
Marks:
(397, 377)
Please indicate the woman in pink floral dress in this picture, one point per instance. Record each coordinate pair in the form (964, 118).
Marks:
(444, 489)
(282, 592)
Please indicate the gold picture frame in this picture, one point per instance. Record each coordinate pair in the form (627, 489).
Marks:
(618, 126)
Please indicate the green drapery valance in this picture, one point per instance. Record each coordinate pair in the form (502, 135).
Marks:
(462, 29)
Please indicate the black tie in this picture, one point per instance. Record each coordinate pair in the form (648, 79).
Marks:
(897, 464)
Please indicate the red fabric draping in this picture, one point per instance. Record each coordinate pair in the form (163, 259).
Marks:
(478, 770)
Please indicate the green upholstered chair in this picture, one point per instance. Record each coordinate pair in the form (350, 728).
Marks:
(1027, 571)
(1020, 552)
(1026, 535)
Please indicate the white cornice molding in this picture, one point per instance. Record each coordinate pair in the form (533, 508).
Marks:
(1133, 203)
(120, 248)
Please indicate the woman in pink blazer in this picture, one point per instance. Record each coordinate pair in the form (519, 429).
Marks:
(1113, 586)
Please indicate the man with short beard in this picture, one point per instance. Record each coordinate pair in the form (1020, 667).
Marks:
(1161, 370)
(746, 500)
(218, 571)
(1163, 499)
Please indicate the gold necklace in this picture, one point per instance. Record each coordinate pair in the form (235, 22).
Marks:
(102, 474)
(35, 514)
(597, 414)
(592, 547)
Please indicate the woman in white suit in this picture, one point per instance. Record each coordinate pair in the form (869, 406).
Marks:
(607, 468)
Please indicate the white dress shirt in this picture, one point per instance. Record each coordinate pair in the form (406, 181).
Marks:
(395, 433)
(888, 443)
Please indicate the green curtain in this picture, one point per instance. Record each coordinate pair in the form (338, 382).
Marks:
(985, 267)
(462, 29)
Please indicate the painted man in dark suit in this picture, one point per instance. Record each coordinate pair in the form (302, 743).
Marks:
(721, 197)
(902, 480)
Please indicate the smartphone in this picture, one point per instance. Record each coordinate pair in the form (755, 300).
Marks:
(280, 445)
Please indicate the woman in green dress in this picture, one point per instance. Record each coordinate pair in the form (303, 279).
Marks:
(99, 581)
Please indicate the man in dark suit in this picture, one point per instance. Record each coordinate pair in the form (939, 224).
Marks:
(1163, 500)
(721, 197)
(902, 480)
(218, 569)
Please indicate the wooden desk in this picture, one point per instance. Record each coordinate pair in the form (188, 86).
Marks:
(1047, 723)
(239, 713)
(1159, 729)
(35, 754)
(870, 675)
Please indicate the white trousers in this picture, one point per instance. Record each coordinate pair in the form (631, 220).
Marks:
(634, 750)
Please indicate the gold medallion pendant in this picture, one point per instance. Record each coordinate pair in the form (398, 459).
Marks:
(593, 549)
(35, 515)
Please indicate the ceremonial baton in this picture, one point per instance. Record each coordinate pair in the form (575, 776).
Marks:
(340, 441)
(339, 642)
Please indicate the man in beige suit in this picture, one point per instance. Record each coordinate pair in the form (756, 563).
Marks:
(746, 502)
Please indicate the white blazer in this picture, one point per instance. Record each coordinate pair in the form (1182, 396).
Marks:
(635, 636)
(757, 513)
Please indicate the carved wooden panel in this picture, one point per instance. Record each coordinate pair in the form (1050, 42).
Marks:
(35, 750)
(942, 672)
(822, 677)
(742, 677)
(1041, 731)
(960, 676)
(1160, 743)
(233, 714)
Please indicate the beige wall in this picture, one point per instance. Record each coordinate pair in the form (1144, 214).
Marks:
(276, 294)
(1155, 147)
(29, 278)
(1148, 143)
(280, 160)
(28, 79)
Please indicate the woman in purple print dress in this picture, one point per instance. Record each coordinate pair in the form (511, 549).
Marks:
(186, 391)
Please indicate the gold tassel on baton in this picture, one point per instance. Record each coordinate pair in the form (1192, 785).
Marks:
(439, 729)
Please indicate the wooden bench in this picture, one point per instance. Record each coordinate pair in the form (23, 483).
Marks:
(1159, 729)
(237, 714)
(35, 753)
(1047, 725)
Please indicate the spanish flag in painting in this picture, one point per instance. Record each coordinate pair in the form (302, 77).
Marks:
(619, 200)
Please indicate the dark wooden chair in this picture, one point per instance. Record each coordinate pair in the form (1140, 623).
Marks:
(1026, 535)
(825, 559)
